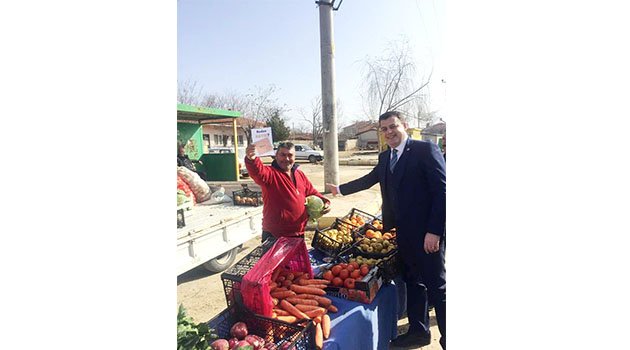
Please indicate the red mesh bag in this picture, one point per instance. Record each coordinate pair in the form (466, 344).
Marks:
(182, 185)
(289, 253)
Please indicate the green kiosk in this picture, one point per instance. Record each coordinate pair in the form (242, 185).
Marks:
(190, 120)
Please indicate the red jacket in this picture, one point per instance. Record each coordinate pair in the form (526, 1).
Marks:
(284, 212)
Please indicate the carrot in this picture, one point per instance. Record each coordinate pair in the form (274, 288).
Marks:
(278, 289)
(320, 286)
(281, 312)
(273, 285)
(292, 310)
(307, 307)
(283, 294)
(298, 274)
(290, 276)
(280, 279)
(287, 319)
(275, 275)
(307, 290)
(306, 282)
(296, 300)
(332, 308)
(323, 301)
(314, 313)
(319, 336)
(274, 301)
(287, 283)
(317, 320)
(326, 326)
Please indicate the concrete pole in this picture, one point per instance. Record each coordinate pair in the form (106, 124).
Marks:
(329, 117)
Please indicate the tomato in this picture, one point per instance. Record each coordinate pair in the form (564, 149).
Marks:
(355, 265)
(349, 283)
(364, 270)
(355, 274)
(343, 265)
(328, 275)
(338, 282)
(344, 274)
(350, 268)
(335, 270)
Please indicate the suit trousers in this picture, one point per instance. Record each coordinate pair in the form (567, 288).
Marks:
(425, 280)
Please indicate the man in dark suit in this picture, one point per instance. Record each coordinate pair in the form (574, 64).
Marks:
(412, 177)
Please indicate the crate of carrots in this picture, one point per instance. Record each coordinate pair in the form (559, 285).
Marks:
(297, 296)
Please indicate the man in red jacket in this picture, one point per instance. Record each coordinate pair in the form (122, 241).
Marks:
(284, 191)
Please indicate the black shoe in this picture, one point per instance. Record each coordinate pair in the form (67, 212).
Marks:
(415, 339)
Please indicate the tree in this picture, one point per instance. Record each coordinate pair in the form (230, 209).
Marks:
(391, 82)
(279, 130)
(255, 106)
(189, 93)
(314, 117)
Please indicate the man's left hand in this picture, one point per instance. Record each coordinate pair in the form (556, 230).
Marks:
(431, 243)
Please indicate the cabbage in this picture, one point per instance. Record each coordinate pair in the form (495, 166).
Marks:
(314, 207)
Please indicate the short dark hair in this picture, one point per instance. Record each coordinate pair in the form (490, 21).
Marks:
(390, 114)
(288, 145)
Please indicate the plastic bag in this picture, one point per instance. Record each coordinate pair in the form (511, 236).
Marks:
(182, 185)
(200, 188)
(218, 196)
(286, 252)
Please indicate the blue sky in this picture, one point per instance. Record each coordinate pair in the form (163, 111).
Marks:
(233, 46)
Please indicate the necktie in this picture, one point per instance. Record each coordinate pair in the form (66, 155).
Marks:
(392, 162)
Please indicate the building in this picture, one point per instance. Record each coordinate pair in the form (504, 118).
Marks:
(434, 133)
(217, 136)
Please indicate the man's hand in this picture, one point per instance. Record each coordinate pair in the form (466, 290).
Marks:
(333, 189)
(250, 151)
(431, 243)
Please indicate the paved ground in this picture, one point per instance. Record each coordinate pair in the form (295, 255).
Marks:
(201, 292)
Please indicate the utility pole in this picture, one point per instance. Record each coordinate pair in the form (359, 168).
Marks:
(329, 117)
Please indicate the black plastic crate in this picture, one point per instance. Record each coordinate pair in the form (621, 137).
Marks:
(233, 276)
(299, 336)
(367, 218)
(247, 197)
(325, 243)
(390, 267)
(362, 236)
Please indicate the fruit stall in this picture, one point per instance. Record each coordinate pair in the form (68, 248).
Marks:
(283, 295)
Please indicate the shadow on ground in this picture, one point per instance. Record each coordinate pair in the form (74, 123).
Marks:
(199, 272)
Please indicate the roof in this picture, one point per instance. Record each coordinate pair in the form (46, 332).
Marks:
(242, 121)
(358, 125)
(367, 127)
(198, 114)
(435, 129)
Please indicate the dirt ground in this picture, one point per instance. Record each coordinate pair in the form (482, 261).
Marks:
(201, 292)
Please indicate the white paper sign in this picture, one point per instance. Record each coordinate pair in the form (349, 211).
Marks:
(263, 140)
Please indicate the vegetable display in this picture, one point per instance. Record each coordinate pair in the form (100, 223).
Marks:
(193, 336)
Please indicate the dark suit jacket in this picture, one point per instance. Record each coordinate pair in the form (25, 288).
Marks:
(418, 192)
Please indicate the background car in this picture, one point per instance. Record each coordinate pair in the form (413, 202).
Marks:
(306, 152)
